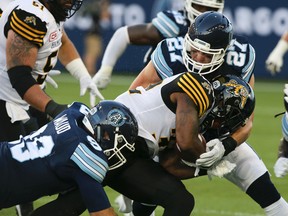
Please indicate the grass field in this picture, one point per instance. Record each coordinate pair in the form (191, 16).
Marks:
(217, 197)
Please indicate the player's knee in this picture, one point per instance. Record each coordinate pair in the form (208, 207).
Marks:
(183, 201)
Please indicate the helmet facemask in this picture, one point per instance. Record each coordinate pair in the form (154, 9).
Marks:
(61, 13)
(115, 155)
(198, 67)
(235, 102)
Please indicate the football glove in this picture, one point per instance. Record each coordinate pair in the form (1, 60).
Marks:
(86, 82)
(214, 152)
(103, 77)
(281, 167)
(274, 61)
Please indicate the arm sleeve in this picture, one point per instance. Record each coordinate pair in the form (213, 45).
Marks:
(116, 46)
(92, 192)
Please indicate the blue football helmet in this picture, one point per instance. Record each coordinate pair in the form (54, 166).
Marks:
(115, 129)
(211, 33)
(60, 11)
(234, 103)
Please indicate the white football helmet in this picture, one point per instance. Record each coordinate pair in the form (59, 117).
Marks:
(192, 12)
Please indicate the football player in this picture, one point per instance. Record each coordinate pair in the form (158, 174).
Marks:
(31, 38)
(210, 49)
(171, 110)
(167, 24)
(274, 65)
(281, 165)
(163, 112)
(75, 150)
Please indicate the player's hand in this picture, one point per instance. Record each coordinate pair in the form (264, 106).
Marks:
(103, 77)
(214, 152)
(274, 62)
(281, 167)
(87, 83)
(49, 78)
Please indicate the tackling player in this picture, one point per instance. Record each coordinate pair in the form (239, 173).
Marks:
(208, 49)
(167, 24)
(75, 150)
(32, 38)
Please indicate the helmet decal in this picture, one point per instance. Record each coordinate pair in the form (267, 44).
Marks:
(116, 118)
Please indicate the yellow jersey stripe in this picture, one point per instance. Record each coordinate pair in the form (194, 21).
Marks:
(195, 91)
(26, 31)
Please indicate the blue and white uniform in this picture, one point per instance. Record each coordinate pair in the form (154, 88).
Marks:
(58, 157)
(239, 59)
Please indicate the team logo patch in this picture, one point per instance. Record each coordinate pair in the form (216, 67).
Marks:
(53, 36)
(116, 117)
(238, 91)
(30, 19)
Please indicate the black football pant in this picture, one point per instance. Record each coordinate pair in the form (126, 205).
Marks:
(143, 180)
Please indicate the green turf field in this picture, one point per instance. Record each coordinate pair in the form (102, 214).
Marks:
(217, 197)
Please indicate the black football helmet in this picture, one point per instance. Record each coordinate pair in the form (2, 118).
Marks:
(115, 129)
(235, 102)
(212, 5)
(211, 33)
(60, 12)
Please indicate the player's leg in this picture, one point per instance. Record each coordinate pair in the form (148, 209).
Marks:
(252, 176)
(66, 204)
(147, 182)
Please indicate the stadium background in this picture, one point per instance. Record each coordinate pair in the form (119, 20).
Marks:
(262, 22)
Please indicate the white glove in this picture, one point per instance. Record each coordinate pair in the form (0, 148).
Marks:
(214, 152)
(103, 77)
(87, 83)
(281, 167)
(50, 80)
(220, 168)
(274, 61)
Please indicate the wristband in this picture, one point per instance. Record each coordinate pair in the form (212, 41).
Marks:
(77, 69)
(229, 145)
(53, 109)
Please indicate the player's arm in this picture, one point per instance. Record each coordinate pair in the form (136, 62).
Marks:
(21, 56)
(147, 76)
(145, 34)
(274, 61)
(187, 127)
(70, 58)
